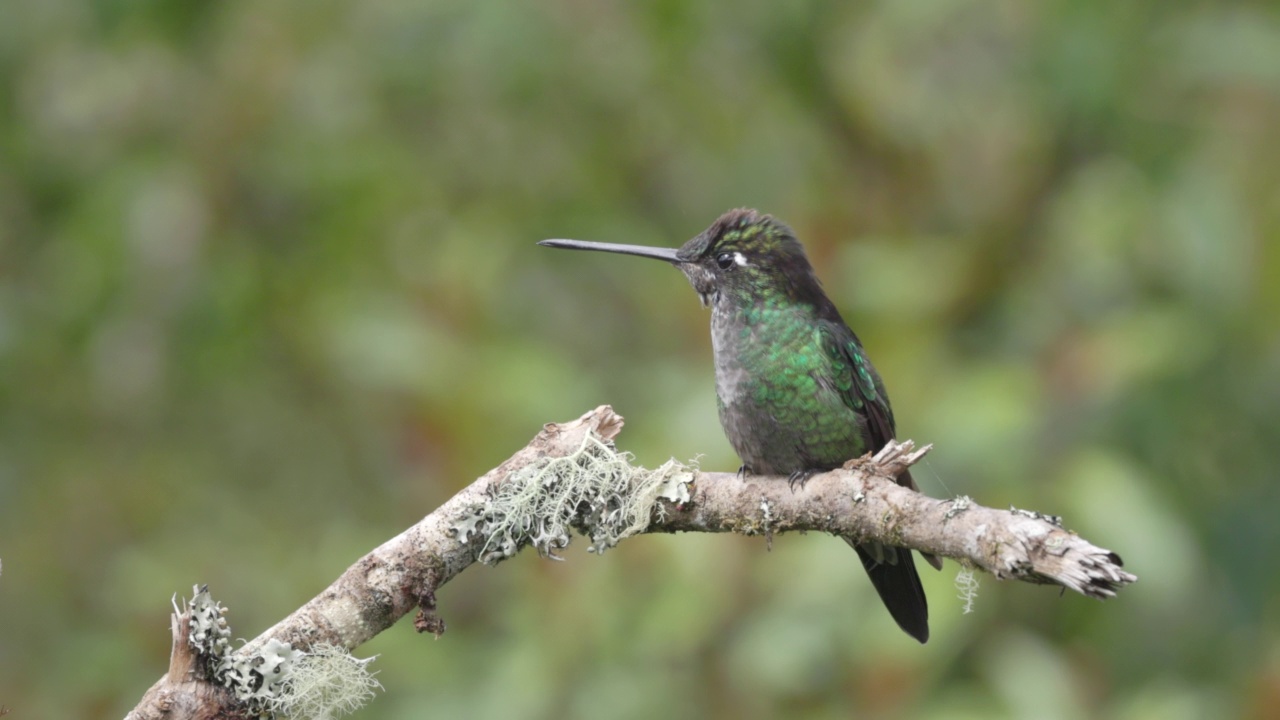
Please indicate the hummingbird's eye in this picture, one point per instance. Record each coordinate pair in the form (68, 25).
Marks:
(724, 260)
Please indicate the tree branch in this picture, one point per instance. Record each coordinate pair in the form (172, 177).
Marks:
(569, 475)
(862, 501)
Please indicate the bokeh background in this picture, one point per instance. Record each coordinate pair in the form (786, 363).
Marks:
(269, 293)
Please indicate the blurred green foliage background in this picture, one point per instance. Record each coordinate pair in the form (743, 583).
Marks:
(269, 293)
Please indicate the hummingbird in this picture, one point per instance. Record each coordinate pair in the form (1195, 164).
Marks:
(795, 390)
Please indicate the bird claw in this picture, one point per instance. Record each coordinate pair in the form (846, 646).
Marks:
(800, 477)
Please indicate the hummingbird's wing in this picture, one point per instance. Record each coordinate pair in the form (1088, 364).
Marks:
(859, 384)
(861, 388)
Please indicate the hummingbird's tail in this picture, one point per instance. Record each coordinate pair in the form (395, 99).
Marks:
(893, 573)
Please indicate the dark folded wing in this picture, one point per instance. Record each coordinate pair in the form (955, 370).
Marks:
(861, 388)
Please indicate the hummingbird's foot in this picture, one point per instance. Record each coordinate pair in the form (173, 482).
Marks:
(800, 477)
(742, 471)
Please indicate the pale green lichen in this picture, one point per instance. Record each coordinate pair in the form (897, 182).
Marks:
(595, 490)
(766, 513)
(262, 678)
(328, 683)
(279, 679)
(208, 633)
(1055, 520)
(958, 505)
(967, 586)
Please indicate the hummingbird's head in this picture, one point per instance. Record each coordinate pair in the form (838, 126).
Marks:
(744, 256)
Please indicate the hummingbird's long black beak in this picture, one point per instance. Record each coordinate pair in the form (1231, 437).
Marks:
(668, 254)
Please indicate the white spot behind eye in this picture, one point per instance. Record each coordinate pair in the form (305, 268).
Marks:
(740, 259)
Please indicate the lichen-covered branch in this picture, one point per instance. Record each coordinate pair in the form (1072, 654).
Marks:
(395, 578)
(571, 478)
(861, 501)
